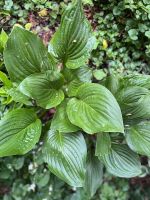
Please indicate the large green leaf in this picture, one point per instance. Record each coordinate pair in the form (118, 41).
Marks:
(60, 120)
(72, 42)
(137, 80)
(44, 88)
(94, 109)
(65, 154)
(138, 138)
(103, 144)
(94, 175)
(134, 102)
(122, 161)
(25, 54)
(19, 132)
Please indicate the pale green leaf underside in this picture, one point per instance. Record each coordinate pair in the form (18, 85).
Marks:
(73, 41)
(138, 138)
(94, 175)
(20, 130)
(40, 88)
(25, 54)
(122, 161)
(65, 154)
(94, 109)
(60, 120)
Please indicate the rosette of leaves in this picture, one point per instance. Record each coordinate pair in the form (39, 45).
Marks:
(95, 124)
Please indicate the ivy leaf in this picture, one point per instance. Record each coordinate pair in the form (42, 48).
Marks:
(94, 109)
(133, 33)
(138, 138)
(73, 41)
(134, 102)
(65, 154)
(20, 130)
(44, 88)
(103, 144)
(60, 120)
(122, 161)
(25, 54)
(99, 74)
(94, 175)
(147, 34)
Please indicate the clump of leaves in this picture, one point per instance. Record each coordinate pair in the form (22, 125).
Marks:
(95, 124)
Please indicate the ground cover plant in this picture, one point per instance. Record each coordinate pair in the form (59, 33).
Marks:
(95, 123)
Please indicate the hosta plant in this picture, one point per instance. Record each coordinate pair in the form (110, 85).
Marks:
(95, 124)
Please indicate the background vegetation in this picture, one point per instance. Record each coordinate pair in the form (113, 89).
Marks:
(122, 29)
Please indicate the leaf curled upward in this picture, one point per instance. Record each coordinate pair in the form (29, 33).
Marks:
(73, 40)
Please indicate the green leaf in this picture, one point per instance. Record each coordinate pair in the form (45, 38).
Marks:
(133, 33)
(122, 161)
(112, 83)
(84, 74)
(136, 80)
(5, 80)
(134, 102)
(20, 130)
(99, 74)
(73, 41)
(17, 96)
(76, 78)
(147, 34)
(60, 120)
(94, 175)
(138, 138)
(90, 2)
(42, 179)
(44, 88)
(103, 144)
(3, 40)
(65, 154)
(25, 54)
(73, 87)
(94, 109)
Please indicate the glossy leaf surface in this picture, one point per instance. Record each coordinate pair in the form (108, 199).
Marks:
(94, 109)
(73, 41)
(45, 89)
(25, 54)
(20, 130)
(65, 154)
(94, 175)
(122, 161)
(138, 138)
(60, 120)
